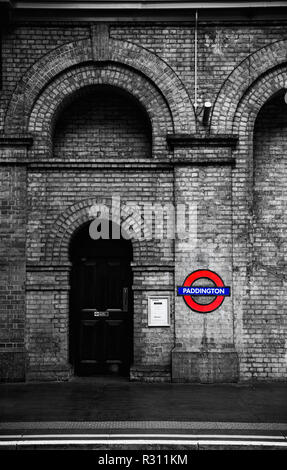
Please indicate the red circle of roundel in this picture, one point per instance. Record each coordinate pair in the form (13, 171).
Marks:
(198, 275)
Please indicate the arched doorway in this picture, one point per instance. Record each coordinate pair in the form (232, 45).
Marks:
(101, 307)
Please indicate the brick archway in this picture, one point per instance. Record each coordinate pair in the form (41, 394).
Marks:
(256, 97)
(243, 125)
(58, 240)
(68, 84)
(243, 121)
(100, 49)
(255, 67)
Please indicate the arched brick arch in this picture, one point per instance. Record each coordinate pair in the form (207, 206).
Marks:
(75, 54)
(70, 82)
(241, 79)
(256, 97)
(244, 119)
(58, 240)
(243, 125)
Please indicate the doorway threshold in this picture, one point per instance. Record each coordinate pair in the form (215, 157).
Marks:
(100, 380)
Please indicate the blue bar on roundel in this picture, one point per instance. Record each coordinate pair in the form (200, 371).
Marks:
(199, 290)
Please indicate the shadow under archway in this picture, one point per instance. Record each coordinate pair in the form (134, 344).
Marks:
(101, 305)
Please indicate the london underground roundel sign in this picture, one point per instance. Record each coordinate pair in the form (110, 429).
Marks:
(189, 291)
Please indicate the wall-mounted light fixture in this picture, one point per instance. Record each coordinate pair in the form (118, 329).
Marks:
(206, 112)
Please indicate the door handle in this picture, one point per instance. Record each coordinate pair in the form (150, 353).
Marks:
(98, 313)
(125, 299)
(95, 312)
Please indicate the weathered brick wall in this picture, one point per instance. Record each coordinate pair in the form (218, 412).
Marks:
(103, 146)
(265, 324)
(23, 45)
(104, 127)
(102, 124)
(49, 194)
(12, 272)
(208, 189)
(202, 337)
(153, 345)
(220, 49)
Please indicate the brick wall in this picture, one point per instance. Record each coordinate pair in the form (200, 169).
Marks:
(12, 272)
(22, 46)
(103, 124)
(205, 342)
(265, 322)
(104, 143)
(209, 190)
(99, 125)
(51, 193)
(220, 49)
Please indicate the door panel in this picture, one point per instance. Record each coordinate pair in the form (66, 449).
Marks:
(102, 316)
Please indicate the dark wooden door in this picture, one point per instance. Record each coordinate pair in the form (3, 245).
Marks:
(102, 316)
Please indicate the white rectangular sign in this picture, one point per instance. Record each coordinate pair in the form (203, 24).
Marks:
(158, 311)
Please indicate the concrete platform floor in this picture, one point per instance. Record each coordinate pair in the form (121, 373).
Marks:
(121, 400)
(102, 412)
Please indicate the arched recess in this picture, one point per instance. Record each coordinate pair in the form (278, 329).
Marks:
(140, 61)
(58, 240)
(101, 122)
(256, 96)
(270, 186)
(268, 255)
(52, 100)
(253, 100)
(241, 79)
